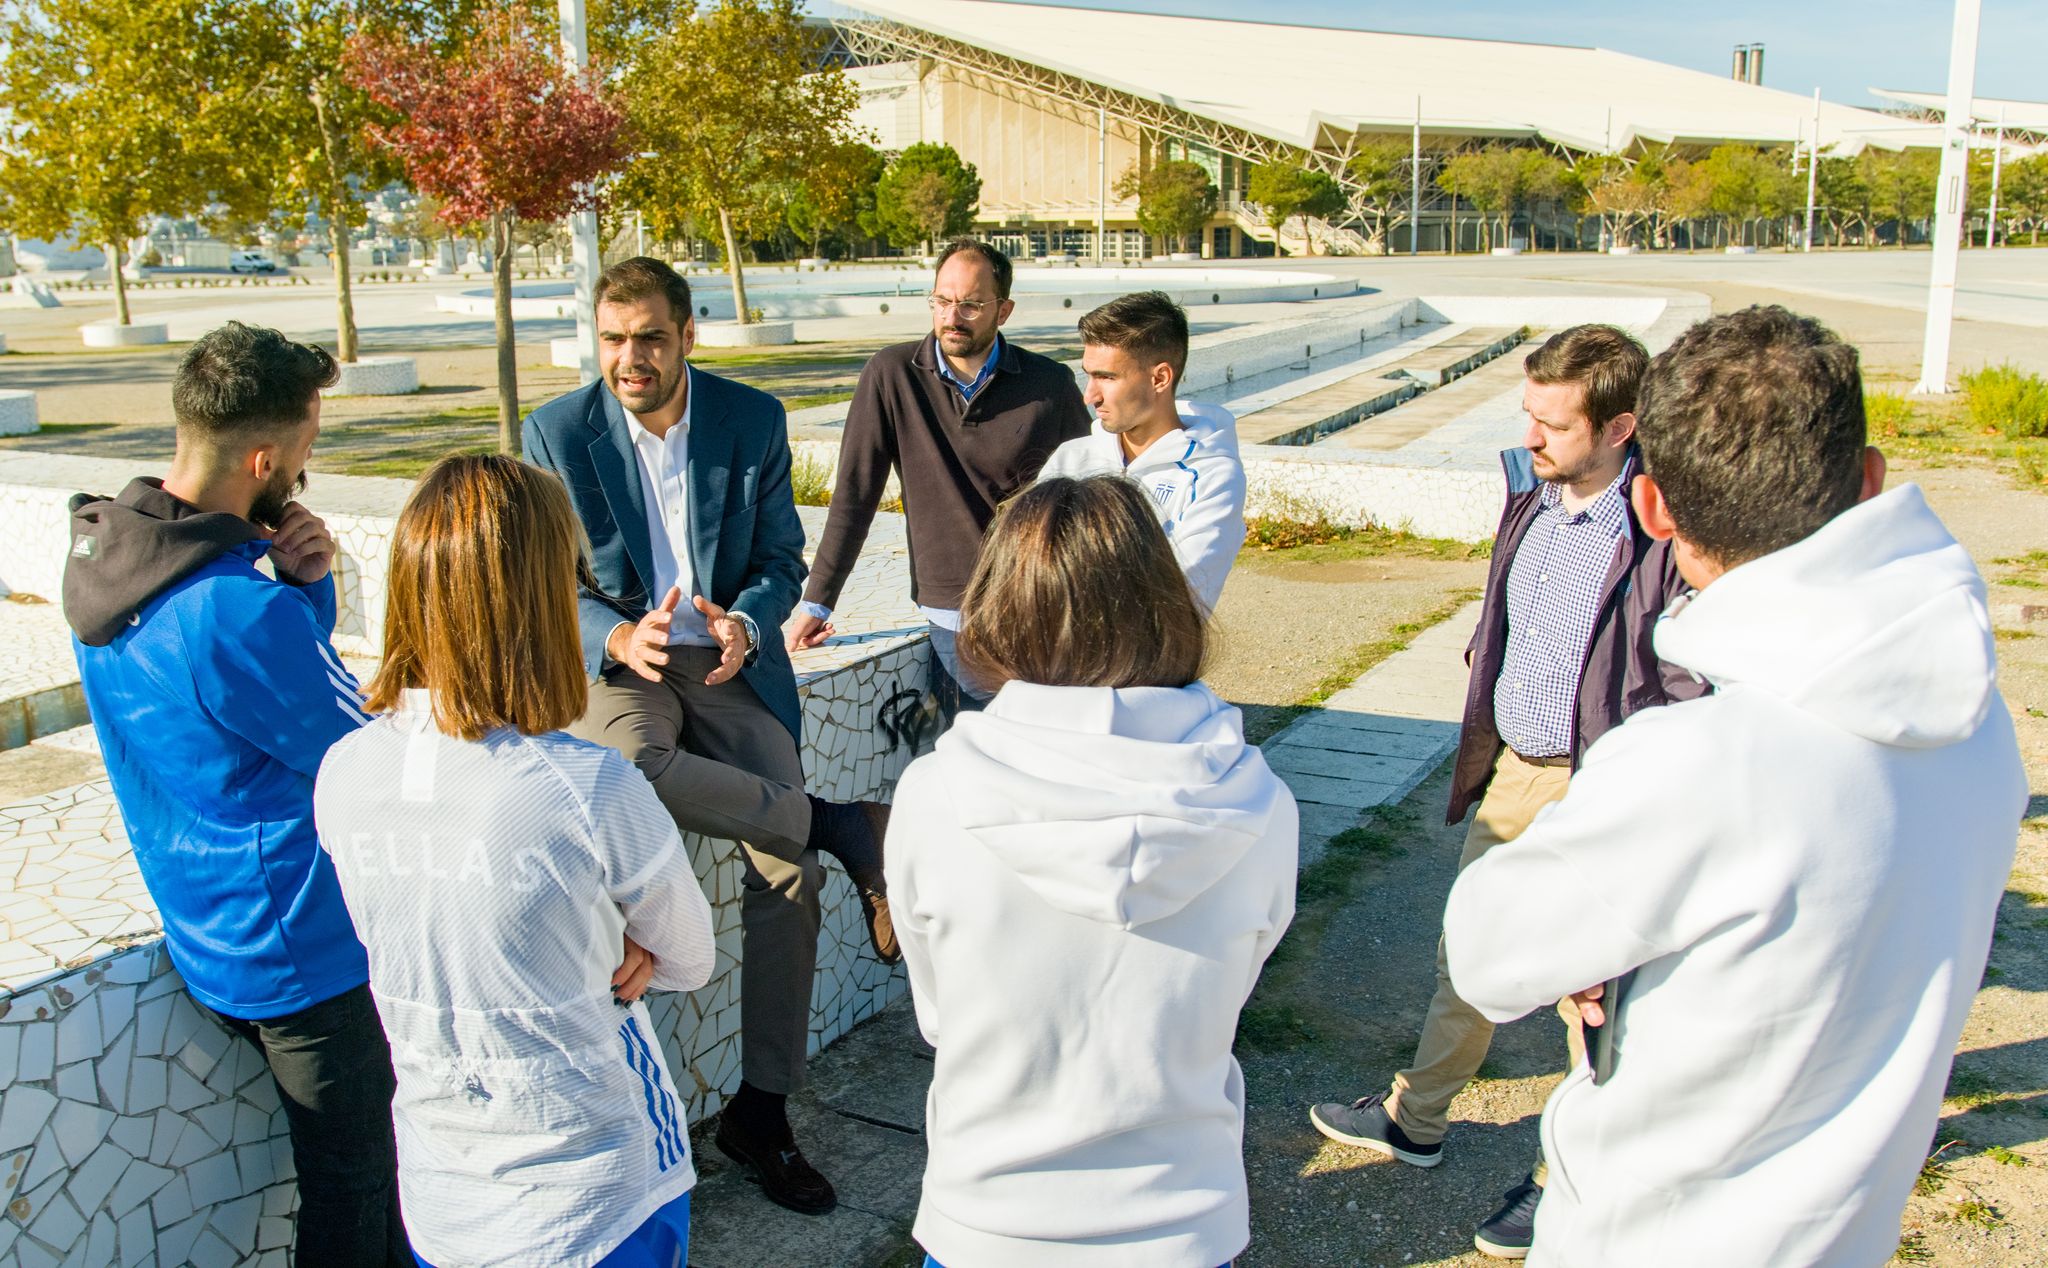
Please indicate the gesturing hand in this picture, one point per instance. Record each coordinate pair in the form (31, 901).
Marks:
(300, 545)
(808, 631)
(733, 643)
(643, 648)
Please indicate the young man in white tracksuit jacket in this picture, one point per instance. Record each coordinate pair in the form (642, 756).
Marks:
(1789, 884)
(1183, 454)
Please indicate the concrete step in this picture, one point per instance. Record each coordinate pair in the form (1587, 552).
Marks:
(1459, 355)
(1307, 419)
(1424, 413)
(1316, 408)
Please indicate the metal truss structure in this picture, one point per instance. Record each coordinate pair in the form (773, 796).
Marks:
(874, 41)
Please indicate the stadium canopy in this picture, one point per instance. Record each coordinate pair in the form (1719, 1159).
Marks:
(2018, 116)
(1313, 87)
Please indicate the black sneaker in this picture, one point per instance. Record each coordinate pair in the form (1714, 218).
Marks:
(1506, 1234)
(1366, 1123)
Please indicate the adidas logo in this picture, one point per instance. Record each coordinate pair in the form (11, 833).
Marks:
(85, 547)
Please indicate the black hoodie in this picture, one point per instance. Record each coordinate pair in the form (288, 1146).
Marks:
(127, 550)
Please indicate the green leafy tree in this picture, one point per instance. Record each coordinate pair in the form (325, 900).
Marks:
(2024, 188)
(1686, 195)
(1486, 178)
(1175, 199)
(1901, 184)
(1378, 171)
(835, 193)
(731, 102)
(1750, 185)
(1285, 190)
(1843, 197)
(928, 193)
(116, 111)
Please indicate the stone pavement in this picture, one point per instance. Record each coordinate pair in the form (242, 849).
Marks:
(1374, 741)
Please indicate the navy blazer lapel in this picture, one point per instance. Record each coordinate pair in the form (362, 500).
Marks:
(618, 474)
(711, 451)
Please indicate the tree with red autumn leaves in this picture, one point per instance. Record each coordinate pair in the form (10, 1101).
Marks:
(497, 133)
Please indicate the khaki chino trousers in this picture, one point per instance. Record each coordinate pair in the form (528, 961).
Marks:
(1455, 1036)
(725, 767)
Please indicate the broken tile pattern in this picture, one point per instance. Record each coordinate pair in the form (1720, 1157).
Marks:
(133, 1129)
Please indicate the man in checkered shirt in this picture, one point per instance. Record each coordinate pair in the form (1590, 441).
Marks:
(1562, 654)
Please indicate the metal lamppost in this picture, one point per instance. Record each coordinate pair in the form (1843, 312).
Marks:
(1949, 199)
(583, 252)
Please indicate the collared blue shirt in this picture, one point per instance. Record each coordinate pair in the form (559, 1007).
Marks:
(988, 370)
(1555, 585)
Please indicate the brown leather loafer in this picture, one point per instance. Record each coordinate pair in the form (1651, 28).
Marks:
(778, 1166)
(874, 892)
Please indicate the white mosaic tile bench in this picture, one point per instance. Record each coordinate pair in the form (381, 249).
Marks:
(133, 1130)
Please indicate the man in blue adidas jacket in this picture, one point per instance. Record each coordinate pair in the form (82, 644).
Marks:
(216, 693)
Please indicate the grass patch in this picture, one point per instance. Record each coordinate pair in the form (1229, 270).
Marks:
(810, 480)
(1305, 528)
(1935, 431)
(1913, 1249)
(805, 400)
(2012, 636)
(1364, 658)
(2005, 1157)
(1968, 1090)
(1978, 1212)
(2007, 400)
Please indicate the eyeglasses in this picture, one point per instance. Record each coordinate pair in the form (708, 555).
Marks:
(971, 309)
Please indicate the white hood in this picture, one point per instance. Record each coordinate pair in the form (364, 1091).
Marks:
(1152, 794)
(1211, 423)
(1876, 624)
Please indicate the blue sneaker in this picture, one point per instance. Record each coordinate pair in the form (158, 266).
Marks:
(1366, 1124)
(1508, 1232)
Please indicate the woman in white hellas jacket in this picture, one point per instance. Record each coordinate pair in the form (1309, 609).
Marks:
(1087, 878)
(492, 865)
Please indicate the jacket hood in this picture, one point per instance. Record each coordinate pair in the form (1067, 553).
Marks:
(1120, 805)
(1212, 424)
(1876, 624)
(127, 550)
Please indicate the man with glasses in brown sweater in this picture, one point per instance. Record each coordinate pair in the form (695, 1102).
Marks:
(965, 418)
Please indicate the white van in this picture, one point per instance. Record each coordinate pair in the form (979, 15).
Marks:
(251, 262)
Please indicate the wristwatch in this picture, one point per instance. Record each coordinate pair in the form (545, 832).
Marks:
(753, 635)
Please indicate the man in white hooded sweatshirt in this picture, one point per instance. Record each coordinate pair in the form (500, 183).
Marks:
(1134, 350)
(1780, 895)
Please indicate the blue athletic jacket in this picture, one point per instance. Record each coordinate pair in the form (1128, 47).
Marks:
(216, 694)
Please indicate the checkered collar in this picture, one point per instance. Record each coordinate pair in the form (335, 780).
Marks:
(1609, 510)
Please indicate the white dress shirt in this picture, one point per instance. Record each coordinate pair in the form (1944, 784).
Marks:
(664, 463)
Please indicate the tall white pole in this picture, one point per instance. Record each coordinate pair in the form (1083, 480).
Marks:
(1812, 170)
(1949, 198)
(1101, 178)
(1415, 185)
(583, 254)
(1997, 162)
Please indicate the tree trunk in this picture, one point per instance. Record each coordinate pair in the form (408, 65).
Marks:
(508, 356)
(732, 266)
(337, 209)
(116, 255)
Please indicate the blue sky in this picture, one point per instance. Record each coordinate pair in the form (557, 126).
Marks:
(1843, 47)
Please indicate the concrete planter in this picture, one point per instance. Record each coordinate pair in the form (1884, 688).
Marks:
(378, 376)
(1185, 257)
(1621, 250)
(1738, 250)
(18, 413)
(106, 334)
(563, 353)
(730, 334)
(1507, 250)
(815, 263)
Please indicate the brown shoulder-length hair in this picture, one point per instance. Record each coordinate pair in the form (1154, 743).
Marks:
(480, 607)
(1077, 587)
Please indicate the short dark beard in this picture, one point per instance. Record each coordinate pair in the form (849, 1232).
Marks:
(665, 388)
(269, 506)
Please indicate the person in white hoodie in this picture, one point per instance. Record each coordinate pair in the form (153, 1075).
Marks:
(494, 866)
(1778, 898)
(1184, 454)
(1087, 879)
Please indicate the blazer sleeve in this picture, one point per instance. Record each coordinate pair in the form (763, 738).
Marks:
(775, 564)
(596, 618)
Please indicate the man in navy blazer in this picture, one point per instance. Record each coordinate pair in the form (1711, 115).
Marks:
(681, 479)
